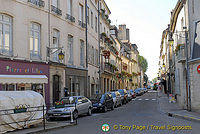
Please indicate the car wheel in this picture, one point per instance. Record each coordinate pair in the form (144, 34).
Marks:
(121, 103)
(75, 115)
(51, 119)
(89, 112)
(113, 107)
(105, 109)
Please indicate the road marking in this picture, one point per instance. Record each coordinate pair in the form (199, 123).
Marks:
(153, 99)
(95, 114)
(139, 99)
(146, 99)
(133, 99)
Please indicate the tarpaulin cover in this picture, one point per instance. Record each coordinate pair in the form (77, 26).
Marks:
(18, 101)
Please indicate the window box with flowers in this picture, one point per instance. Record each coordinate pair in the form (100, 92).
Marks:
(20, 109)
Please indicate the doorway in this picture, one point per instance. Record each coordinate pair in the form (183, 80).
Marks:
(56, 88)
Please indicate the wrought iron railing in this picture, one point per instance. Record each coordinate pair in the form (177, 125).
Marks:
(56, 10)
(69, 17)
(83, 25)
(39, 3)
(24, 123)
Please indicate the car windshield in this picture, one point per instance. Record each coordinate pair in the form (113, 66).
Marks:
(69, 100)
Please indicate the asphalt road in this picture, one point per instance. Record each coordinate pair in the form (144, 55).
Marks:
(140, 116)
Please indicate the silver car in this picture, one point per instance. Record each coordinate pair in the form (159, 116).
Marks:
(75, 105)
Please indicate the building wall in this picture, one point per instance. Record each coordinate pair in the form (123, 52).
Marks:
(193, 16)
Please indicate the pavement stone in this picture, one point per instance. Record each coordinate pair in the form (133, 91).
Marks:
(173, 110)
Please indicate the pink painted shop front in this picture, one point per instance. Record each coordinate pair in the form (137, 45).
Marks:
(23, 71)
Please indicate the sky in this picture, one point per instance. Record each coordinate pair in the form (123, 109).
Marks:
(146, 20)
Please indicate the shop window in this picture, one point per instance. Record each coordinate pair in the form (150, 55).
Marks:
(8, 87)
(37, 88)
(5, 34)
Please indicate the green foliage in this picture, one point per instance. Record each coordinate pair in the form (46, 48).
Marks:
(143, 63)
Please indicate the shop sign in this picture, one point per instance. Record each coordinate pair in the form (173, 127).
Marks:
(24, 70)
(198, 69)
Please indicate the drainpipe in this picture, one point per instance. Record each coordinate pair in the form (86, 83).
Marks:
(86, 42)
(188, 91)
(99, 48)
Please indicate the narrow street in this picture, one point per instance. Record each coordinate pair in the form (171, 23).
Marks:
(142, 111)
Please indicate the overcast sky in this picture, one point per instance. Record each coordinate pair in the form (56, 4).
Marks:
(146, 20)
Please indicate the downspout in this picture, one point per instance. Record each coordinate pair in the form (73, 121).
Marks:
(86, 41)
(99, 48)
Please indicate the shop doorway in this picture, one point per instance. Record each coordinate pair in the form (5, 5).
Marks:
(56, 88)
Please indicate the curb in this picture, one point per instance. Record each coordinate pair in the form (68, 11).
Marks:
(48, 129)
(190, 118)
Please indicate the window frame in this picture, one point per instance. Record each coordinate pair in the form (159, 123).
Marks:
(70, 47)
(34, 31)
(55, 55)
(70, 5)
(82, 53)
(2, 44)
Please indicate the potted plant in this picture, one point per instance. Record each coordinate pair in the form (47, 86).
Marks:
(59, 104)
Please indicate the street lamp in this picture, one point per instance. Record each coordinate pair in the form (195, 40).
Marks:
(61, 55)
(53, 50)
(163, 64)
(171, 40)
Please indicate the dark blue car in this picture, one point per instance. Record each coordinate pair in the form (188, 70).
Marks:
(138, 91)
(102, 102)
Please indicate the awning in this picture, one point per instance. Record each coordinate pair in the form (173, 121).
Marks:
(31, 79)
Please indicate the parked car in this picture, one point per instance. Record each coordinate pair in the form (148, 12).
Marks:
(129, 95)
(102, 102)
(138, 91)
(76, 105)
(116, 98)
(132, 93)
(145, 90)
(124, 95)
(120, 98)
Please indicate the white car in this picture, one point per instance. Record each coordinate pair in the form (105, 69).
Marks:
(77, 105)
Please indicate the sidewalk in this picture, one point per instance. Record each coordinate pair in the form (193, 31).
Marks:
(39, 128)
(173, 110)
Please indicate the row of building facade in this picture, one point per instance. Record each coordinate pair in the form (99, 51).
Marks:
(61, 48)
(179, 55)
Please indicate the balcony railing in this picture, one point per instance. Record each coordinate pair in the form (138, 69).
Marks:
(83, 25)
(108, 68)
(181, 55)
(69, 17)
(56, 10)
(39, 3)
